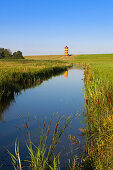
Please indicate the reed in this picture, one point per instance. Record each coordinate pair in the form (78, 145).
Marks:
(99, 89)
(42, 156)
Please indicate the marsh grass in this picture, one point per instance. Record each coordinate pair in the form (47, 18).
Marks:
(15, 70)
(99, 116)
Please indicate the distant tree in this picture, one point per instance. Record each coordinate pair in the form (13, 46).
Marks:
(7, 53)
(1, 52)
(18, 55)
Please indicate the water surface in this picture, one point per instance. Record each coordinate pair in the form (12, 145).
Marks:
(62, 94)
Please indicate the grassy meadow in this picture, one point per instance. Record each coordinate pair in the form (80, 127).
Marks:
(98, 80)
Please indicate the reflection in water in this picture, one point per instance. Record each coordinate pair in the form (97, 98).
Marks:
(8, 91)
(66, 74)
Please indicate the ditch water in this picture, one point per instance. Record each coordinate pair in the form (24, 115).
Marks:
(63, 94)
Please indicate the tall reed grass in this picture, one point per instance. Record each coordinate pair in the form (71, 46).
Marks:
(42, 156)
(99, 116)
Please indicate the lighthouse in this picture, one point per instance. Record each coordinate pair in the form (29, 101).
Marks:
(66, 51)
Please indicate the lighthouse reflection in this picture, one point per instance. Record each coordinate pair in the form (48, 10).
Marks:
(66, 74)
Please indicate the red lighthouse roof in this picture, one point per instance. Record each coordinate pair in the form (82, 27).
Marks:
(66, 47)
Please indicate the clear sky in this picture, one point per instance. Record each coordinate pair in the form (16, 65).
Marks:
(45, 26)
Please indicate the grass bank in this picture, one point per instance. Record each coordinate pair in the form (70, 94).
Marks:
(98, 79)
(16, 69)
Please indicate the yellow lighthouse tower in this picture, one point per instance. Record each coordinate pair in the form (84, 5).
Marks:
(66, 51)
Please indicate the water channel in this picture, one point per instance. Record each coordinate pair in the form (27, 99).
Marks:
(62, 94)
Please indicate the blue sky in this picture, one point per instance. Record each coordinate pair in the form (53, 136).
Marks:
(45, 26)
